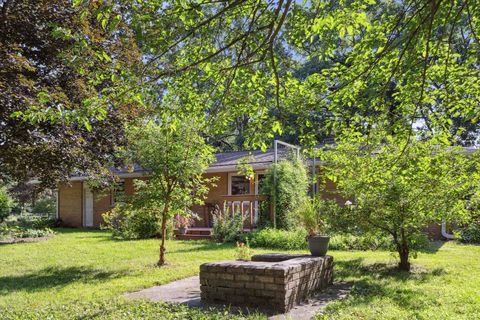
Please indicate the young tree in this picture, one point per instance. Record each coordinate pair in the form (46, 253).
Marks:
(400, 191)
(177, 156)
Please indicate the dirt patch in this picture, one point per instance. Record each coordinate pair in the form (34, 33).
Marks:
(24, 240)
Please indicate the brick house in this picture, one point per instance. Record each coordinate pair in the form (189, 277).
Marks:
(78, 206)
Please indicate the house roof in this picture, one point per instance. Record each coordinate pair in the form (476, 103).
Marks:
(224, 162)
(259, 159)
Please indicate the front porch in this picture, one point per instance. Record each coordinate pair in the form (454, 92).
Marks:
(248, 206)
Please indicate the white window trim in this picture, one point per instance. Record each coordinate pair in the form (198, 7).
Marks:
(230, 175)
(234, 174)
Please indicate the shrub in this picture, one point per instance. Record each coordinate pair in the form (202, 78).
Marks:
(279, 239)
(32, 233)
(9, 232)
(45, 206)
(227, 228)
(296, 240)
(127, 223)
(289, 191)
(6, 204)
(470, 233)
(35, 222)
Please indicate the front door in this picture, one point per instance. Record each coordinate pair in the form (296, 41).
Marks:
(87, 207)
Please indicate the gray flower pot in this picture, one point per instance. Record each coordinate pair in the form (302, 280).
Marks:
(318, 245)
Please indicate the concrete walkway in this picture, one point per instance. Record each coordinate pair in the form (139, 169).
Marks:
(187, 291)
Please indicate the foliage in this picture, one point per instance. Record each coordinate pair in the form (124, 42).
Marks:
(227, 227)
(245, 168)
(176, 158)
(34, 222)
(279, 239)
(288, 192)
(243, 251)
(399, 189)
(17, 232)
(45, 206)
(126, 222)
(60, 67)
(312, 213)
(6, 203)
(470, 233)
(296, 240)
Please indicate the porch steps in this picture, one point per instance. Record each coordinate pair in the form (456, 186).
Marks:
(194, 234)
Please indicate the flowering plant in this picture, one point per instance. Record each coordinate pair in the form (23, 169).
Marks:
(243, 251)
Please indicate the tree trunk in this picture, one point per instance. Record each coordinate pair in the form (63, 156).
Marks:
(403, 252)
(161, 261)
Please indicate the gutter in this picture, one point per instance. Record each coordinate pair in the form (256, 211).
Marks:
(444, 231)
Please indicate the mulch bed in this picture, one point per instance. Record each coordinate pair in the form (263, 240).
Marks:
(24, 240)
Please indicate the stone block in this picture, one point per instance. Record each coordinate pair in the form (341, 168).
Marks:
(265, 279)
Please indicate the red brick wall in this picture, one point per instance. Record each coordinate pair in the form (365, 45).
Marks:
(70, 203)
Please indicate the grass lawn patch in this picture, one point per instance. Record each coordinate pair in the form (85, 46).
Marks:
(82, 274)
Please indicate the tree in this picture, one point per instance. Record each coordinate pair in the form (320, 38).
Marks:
(61, 110)
(176, 156)
(400, 191)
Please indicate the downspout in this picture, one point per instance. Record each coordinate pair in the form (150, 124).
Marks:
(57, 206)
(444, 231)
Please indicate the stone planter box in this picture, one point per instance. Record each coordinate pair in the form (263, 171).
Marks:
(270, 281)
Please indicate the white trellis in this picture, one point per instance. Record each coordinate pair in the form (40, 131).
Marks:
(275, 160)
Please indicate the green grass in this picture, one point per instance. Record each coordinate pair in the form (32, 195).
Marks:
(82, 275)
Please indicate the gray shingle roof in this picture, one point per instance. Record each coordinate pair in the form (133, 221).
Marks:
(258, 157)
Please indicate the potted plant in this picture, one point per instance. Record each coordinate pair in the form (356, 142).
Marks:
(310, 216)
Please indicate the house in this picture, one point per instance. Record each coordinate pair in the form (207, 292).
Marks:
(78, 206)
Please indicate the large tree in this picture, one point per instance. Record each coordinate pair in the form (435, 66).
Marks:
(59, 66)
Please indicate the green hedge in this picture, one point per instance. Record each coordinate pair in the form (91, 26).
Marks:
(296, 240)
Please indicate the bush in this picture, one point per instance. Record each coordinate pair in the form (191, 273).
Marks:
(127, 223)
(296, 240)
(289, 191)
(227, 228)
(470, 233)
(6, 204)
(279, 239)
(35, 222)
(9, 232)
(45, 206)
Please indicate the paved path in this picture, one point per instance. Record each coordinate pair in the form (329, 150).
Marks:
(187, 291)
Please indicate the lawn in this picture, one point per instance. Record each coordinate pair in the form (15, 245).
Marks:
(82, 274)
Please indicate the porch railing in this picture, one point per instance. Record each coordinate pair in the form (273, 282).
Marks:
(248, 206)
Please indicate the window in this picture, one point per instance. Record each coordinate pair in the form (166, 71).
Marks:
(240, 185)
(118, 193)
